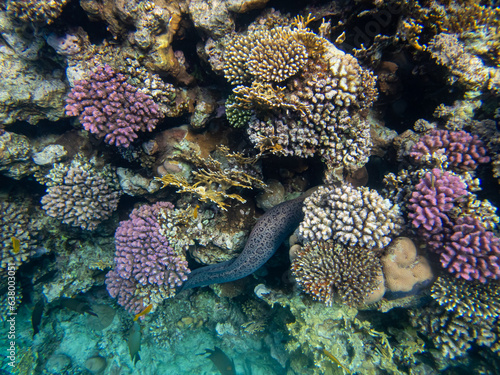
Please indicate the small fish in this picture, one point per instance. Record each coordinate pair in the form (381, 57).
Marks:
(195, 211)
(16, 245)
(134, 342)
(36, 316)
(334, 360)
(143, 312)
(221, 361)
(74, 304)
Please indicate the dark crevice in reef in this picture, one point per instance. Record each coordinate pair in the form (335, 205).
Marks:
(73, 15)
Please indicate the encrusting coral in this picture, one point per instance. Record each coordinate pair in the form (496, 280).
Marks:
(32, 91)
(81, 194)
(331, 272)
(405, 270)
(301, 90)
(352, 216)
(15, 150)
(147, 269)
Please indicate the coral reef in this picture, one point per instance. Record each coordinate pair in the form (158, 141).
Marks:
(331, 272)
(242, 110)
(111, 108)
(209, 237)
(146, 269)
(81, 194)
(352, 216)
(303, 92)
(354, 343)
(80, 264)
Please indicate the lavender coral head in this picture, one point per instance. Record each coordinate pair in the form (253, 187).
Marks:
(147, 269)
(472, 252)
(433, 197)
(463, 150)
(111, 108)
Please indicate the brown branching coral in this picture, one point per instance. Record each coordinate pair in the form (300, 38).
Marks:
(277, 55)
(468, 69)
(466, 18)
(15, 225)
(81, 194)
(465, 313)
(329, 271)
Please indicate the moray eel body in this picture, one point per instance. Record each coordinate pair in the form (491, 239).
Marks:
(269, 232)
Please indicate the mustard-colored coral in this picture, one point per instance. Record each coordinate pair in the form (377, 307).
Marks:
(203, 192)
(277, 55)
(466, 18)
(36, 11)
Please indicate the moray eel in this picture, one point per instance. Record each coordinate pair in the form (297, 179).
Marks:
(269, 232)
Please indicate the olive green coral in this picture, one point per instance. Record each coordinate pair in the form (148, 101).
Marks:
(237, 115)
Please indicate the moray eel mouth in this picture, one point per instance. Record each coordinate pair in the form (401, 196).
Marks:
(269, 232)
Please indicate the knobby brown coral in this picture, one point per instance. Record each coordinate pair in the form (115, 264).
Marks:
(329, 271)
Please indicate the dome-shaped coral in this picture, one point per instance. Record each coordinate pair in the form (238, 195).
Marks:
(404, 269)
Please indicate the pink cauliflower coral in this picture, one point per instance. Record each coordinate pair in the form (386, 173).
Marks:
(463, 150)
(111, 108)
(471, 252)
(147, 269)
(434, 196)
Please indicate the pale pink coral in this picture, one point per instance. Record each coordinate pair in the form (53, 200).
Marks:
(462, 150)
(111, 108)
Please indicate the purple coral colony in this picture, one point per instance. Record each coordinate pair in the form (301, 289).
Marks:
(140, 141)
